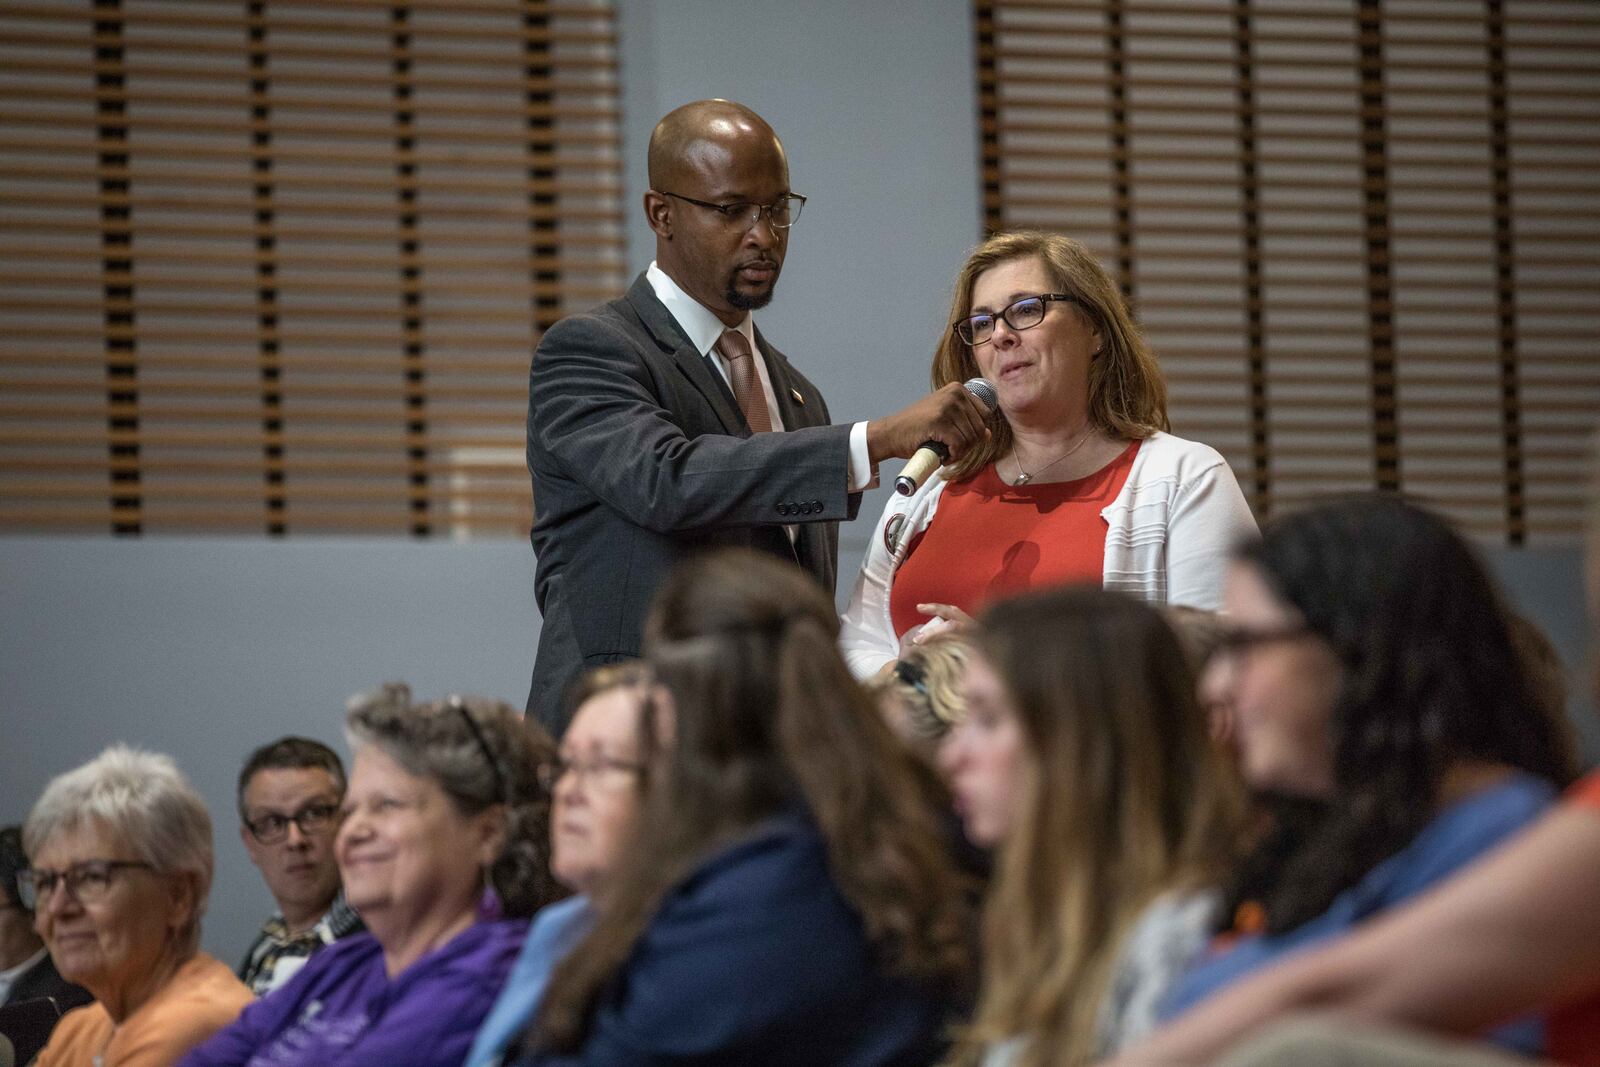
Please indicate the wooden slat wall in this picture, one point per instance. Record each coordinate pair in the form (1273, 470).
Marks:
(1363, 237)
(279, 265)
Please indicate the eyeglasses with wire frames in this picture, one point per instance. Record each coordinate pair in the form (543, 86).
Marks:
(744, 215)
(87, 882)
(314, 818)
(1022, 314)
(605, 771)
(1238, 642)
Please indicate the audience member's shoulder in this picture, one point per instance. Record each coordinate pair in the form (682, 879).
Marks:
(1489, 813)
(1519, 794)
(485, 949)
(344, 955)
(80, 1034)
(773, 860)
(207, 985)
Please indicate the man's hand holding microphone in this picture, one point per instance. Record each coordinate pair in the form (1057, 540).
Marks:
(934, 431)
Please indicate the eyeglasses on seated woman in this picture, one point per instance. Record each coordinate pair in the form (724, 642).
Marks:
(789, 898)
(120, 869)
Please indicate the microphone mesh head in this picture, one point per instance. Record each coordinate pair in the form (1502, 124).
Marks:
(983, 389)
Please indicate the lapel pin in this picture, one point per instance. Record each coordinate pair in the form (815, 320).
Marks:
(798, 399)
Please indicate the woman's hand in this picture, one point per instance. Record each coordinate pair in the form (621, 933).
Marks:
(945, 617)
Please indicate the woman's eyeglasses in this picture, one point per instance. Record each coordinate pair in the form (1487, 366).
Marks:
(601, 770)
(87, 882)
(1022, 314)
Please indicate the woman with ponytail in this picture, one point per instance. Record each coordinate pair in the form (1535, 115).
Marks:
(789, 897)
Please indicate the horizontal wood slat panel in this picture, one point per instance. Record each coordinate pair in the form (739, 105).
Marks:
(280, 266)
(1363, 236)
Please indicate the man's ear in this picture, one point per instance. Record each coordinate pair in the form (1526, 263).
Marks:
(658, 212)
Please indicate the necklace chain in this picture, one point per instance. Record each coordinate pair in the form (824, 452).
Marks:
(1024, 477)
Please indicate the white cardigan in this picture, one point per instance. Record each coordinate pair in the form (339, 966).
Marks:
(1169, 534)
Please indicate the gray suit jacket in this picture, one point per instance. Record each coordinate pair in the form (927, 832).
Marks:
(640, 456)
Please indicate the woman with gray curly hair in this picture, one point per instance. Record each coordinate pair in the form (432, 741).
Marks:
(443, 849)
(120, 868)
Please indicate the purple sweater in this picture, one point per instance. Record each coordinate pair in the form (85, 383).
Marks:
(343, 1010)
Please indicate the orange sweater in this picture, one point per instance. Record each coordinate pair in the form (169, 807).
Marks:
(202, 997)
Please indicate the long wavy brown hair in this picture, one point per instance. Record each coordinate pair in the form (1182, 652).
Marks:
(767, 717)
(1123, 797)
(1127, 392)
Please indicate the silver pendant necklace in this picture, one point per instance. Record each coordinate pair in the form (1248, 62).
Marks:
(1024, 477)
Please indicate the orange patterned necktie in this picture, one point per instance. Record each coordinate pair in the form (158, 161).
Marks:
(746, 383)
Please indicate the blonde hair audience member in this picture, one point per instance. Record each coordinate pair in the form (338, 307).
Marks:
(922, 697)
(1085, 759)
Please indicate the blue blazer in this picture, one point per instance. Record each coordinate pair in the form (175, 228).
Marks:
(757, 959)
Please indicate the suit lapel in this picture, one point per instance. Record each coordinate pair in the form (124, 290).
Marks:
(664, 329)
(794, 414)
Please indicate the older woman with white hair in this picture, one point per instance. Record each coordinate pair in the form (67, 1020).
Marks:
(120, 868)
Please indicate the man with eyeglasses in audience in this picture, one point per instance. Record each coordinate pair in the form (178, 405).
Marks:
(663, 422)
(289, 797)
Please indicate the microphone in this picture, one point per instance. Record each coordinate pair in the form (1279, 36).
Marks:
(931, 455)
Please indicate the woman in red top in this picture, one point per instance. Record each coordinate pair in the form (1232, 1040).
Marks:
(1079, 480)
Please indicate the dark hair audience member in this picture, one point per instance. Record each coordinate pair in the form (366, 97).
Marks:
(1516, 933)
(444, 851)
(790, 899)
(1369, 666)
(288, 795)
(1091, 769)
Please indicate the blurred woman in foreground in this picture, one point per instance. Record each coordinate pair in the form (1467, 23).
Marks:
(790, 899)
(1086, 759)
(597, 783)
(1369, 665)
